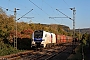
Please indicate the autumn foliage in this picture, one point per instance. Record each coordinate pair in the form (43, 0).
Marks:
(23, 34)
(24, 30)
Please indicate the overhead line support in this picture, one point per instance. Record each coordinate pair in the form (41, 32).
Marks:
(24, 14)
(15, 36)
(74, 12)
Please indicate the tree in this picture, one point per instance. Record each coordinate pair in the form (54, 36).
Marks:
(84, 39)
(6, 24)
(22, 26)
(85, 36)
(78, 35)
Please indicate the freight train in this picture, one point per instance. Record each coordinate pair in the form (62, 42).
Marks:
(44, 39)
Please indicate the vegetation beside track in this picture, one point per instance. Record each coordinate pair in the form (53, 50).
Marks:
(6, 49)
(24, 32)
(82, 51)
(77, 55)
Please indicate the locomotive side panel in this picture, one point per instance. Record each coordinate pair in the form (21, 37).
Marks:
(53, 38)
(47, 37)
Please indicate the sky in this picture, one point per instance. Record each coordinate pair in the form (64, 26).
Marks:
(43, 9)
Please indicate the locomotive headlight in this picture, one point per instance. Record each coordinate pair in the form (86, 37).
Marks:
(43, 41)
(33, 42)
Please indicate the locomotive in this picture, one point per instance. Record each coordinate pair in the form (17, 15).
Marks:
(44, 39)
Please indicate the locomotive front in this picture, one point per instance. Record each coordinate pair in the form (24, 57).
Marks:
(37, 39)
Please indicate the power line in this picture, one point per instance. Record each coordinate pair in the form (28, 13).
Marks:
(17, 3)
(52, 9)
(64, 14)
(35, 5)
(26, 7)
(38, 7)
(49, 5)
(66, 3)
(25, 14)
(6, 9)
(9, 10)
(8, 3)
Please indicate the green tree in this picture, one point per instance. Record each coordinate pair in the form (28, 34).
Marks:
(78, 35)
(84, 39)
(85, 36)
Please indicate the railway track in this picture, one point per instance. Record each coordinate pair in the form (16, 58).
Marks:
(48, 54)
(44, 54)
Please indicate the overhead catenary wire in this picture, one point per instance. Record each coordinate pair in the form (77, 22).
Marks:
(61, 18)
(66, 3)
(11, 10)
(17, 13)
(8, 3)
(52, 9)
(64, 14)
(17, 4)
(25, 8)
(7, 9)
(39, 8)
(25, 14)
(49, 5)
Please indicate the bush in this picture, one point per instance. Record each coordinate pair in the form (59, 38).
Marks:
(6, 49)
(84, 42)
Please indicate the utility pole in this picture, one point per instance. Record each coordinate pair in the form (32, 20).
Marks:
(15, 35)
(73, 44)
(79, 35)
(74, 12)
(26, 14)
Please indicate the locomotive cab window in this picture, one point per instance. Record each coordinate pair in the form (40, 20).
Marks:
(38, 34)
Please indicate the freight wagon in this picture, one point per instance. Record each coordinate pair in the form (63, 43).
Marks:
(63, 39)
(44, 39)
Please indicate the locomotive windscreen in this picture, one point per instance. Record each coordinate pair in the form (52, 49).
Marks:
(38, 34)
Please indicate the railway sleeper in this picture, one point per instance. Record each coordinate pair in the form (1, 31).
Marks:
(50, 45)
